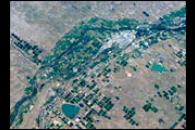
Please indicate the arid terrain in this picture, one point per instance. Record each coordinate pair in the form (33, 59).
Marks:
(121, 64)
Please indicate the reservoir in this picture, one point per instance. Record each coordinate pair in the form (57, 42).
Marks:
(70, 110)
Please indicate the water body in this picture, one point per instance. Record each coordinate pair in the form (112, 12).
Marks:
(158, 68)
(70, 110)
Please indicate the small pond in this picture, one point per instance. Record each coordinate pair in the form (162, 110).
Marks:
(70, 110)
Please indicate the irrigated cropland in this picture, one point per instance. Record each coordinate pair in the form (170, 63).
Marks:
(94, 65)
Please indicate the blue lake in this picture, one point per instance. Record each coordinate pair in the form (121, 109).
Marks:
(158, 68)
(70, 110)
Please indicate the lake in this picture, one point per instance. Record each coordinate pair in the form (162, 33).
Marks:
(158, 68)
(70, 110)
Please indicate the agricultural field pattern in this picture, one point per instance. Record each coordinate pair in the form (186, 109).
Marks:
(95, 65)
